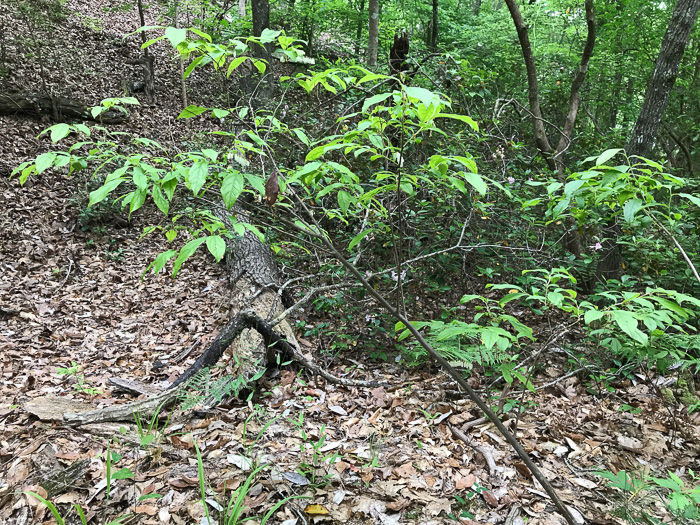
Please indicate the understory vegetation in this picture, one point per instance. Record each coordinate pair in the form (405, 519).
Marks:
(415, 205)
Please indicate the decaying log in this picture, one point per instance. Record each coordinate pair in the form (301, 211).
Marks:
(57, 108)
(61, 481)
(246, 320)
(254, 340)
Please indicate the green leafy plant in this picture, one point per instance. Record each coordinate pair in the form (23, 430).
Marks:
(151, 432)
(681, 501)
(318, 460)
(233, 510)
(81, 385)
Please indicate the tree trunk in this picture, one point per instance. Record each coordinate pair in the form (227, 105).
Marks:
(434, 35)
(58, 108)
(649, 119)
(533, 89)
(183, 86)
(555, 158)
(663, 77)
(261, 21)
(373, 41)
(147, 62)
(360, 23)
(241, 8)
(476, 7)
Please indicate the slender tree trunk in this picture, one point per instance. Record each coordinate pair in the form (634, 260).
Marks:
(241, 8)
(360, 23)
(574, 98)
(554, 158)
(149, 73)
(435, 33)
(663, 77)
(476, 7)
(649, 119)
(541, 140)
(261, 21)
(373, 42)
(182, 62)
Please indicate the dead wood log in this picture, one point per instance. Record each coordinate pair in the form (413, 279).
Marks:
(255, 341)
(61, 481)
(245, 320)
(57, 108)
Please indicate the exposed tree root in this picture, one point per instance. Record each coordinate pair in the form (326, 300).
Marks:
(146, 408)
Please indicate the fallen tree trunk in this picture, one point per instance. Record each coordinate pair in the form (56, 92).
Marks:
(254, 339)
(57, 108)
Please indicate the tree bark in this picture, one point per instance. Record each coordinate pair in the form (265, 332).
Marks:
(360, 23)
(183, 86)
(649, 119)
(554, 157)
(147, 60)
(373, 41)
(533, 89)
(574, 98)
(261, 21)
(58, 108)
(663, 78)
(435, 33)
(241, 8)
(476, 7)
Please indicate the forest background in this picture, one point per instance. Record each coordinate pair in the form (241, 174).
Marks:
(503, 190)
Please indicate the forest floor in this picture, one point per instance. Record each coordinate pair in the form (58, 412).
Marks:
(72, 292)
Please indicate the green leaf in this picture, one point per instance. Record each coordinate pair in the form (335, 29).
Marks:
(123, 473)
(308, 168)
(255, 230)
(217, 246)
(59, 131)
(476, 181)
(470, 297)
(192, 111)
(467, 120)
(268, 35)
(44, 161)
(592, 315)
(372, 101)
(101, 193)
(234, 64)
(371, 76)
(160, 261)
(426, 97)
(692, 198)
(572, 186)
(175, 35)
(170, 235)
(344, 201)
(315, 153)
(607, 155)
(220, 113)
(256, 182)
(198, 176)
(301, 136)
(358, 238)
(51, 507)
(137, 200)
(159, 199)
(231, 188)
(467, 163)
(192, 65)
(628, 324)
(140, 179)
(631, 207)
(185, 252)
